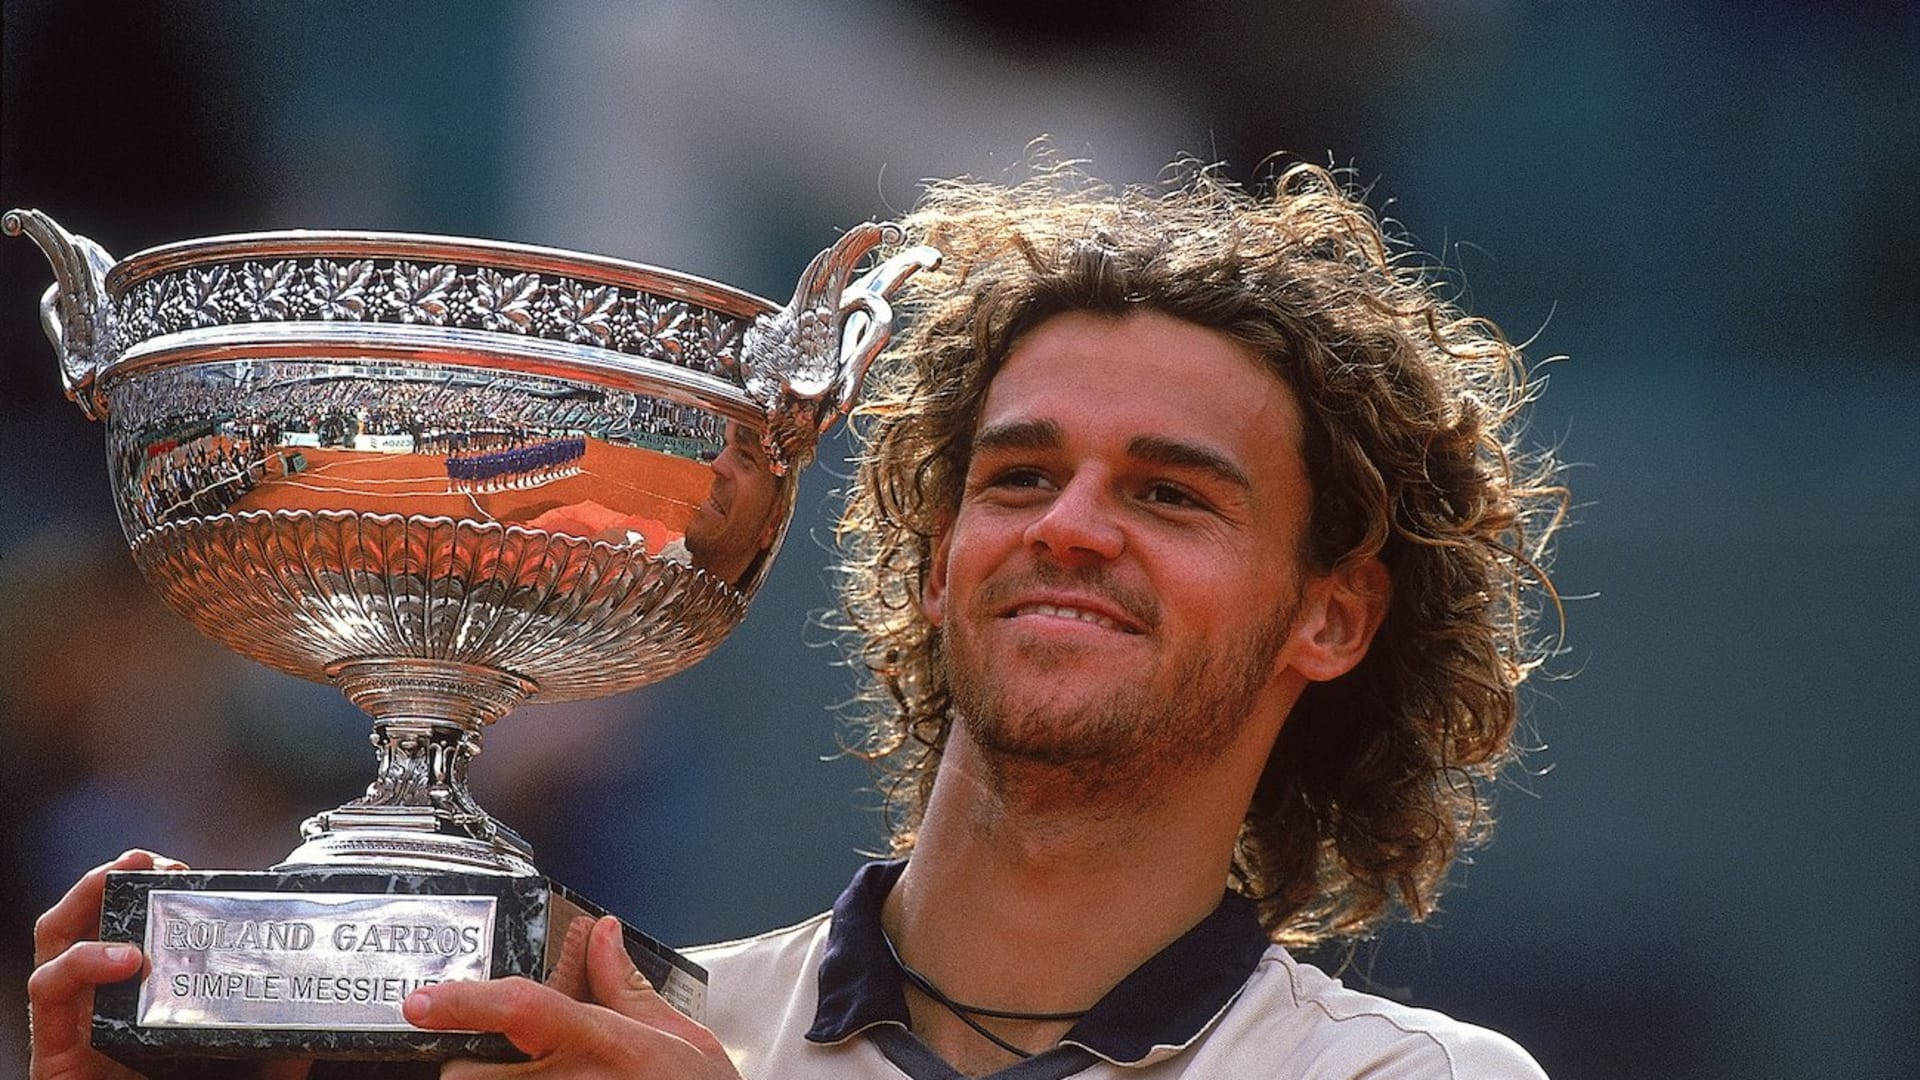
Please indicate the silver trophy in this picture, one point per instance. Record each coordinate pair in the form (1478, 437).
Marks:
(447, 476)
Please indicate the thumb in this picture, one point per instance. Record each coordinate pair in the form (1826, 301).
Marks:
(617, 984)
(620, 987)
(612, 978)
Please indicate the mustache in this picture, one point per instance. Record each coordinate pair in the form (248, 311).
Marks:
(1139, 605)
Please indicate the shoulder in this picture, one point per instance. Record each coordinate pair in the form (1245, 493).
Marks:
(764, 970)
(762, 992)
(1347, 1032)
(785, 950)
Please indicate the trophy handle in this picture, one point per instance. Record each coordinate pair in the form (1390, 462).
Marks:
(792, 366)
(74, 310)
(869, 322)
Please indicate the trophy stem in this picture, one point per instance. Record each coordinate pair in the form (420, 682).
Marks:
(428, 717)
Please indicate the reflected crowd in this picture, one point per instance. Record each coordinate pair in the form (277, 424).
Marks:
(206, 474)
(194, 442)
(517, 466)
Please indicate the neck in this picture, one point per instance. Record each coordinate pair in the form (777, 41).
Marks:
(1030, 893)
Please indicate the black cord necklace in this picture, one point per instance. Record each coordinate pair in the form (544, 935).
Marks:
(966, 1013)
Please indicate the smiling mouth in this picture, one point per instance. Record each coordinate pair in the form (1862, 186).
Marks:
(1079, 614)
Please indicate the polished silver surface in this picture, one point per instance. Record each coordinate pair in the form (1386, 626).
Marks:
(453, 475)
(310, 961)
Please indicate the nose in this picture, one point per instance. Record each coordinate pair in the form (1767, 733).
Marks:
(1078, 525)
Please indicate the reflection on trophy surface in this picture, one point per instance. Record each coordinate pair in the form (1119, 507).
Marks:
(739, 521)
(447, 476)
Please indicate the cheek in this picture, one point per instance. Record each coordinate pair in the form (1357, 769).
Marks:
(959, 566)
(1215, 594)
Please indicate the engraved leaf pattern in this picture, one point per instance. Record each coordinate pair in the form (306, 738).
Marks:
(504, 302)
(717, 347)
(628, 320)
(661, 323)
(171, 308)
(203, 301)
(269, 289)
(143, 311)
(338, 290)
(585, 313)
(421, 292)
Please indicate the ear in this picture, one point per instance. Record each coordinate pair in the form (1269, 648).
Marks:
(1340, 613)
(933, 590)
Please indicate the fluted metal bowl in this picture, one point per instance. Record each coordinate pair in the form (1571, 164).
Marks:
(450, 475)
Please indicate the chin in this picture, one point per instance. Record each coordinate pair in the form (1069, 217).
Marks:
(1056, 732)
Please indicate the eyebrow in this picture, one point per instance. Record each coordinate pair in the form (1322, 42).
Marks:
(1180, 455)
(1019, 435)
(1152, 449)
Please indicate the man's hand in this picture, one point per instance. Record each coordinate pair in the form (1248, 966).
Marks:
(631, 1032)
(67, 965)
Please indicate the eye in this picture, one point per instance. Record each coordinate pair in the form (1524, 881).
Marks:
(1021, 477)
(1012, 483)
(1165, 493)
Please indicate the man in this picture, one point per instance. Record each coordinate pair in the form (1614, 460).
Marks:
(1186, 560)
(739, 521)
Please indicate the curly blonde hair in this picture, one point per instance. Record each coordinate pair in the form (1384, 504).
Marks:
(1377, 778)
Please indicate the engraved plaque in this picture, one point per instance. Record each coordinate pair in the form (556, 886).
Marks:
(316, 963)
(309, 961)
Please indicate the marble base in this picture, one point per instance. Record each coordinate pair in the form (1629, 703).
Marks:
(530, 917)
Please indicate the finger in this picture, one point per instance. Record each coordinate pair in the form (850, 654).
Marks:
(85, 965)
(77, 915)
(612, 978)
(537, 1019)
(60, 991)
(620, 986)
(569, 975)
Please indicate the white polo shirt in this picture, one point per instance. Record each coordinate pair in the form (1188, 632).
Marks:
(824, 1000)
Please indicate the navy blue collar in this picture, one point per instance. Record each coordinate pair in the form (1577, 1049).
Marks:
(1166, 1001)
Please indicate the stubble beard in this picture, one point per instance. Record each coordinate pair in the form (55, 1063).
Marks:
(1187, 709)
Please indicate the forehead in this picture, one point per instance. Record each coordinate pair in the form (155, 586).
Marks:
(1146, 374)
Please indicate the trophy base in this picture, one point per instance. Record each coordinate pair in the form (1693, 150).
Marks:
(314, 963)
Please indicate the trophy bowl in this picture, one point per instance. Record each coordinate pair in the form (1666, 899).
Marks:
(450, 475)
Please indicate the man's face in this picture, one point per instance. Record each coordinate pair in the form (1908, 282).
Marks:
(742, 510)
(1118, 585)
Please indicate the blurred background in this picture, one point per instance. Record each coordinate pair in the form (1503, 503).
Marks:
(1711, 868)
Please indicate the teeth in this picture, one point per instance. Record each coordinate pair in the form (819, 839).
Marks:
(1068, 613)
